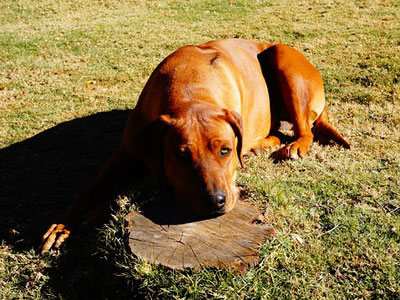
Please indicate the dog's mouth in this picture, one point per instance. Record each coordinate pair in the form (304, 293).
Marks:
(215, 211)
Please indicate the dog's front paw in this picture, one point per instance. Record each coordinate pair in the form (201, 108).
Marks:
(54, 237)
(293, 150)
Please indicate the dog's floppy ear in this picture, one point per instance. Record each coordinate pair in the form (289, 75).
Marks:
(149, 148)
(235, 120)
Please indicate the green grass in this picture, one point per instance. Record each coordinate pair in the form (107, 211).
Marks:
(69, 71)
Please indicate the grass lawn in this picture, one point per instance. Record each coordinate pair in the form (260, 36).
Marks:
(71, 70)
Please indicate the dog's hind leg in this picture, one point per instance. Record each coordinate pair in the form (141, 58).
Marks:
(296, 92)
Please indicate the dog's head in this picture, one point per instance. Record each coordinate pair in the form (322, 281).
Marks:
(196, 153)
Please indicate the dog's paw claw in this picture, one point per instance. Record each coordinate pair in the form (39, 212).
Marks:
(54, 237)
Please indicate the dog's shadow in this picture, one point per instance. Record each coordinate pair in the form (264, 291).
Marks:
(40, 177)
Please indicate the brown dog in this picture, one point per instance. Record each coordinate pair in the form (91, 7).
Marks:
(202, 109)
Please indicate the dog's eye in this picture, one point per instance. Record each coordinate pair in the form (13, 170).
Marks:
(184, 154)
(224, 152)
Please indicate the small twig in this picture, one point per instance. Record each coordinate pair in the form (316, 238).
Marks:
(302, 200)
(380, 205)
(393, 210)
(343, 203)
(329, 231)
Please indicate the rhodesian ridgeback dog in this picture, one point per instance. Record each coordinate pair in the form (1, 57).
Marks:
(202, 109)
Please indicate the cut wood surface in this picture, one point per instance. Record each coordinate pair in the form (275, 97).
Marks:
(165, 234)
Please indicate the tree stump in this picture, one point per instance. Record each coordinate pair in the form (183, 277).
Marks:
(166, 234)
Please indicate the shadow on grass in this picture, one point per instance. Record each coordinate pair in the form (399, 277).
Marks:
(42, 175)
(79, 274)
(39, 178)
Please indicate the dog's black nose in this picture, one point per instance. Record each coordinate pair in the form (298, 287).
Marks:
(219, 199)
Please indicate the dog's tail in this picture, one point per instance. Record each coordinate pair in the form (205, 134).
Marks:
(324, 132)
